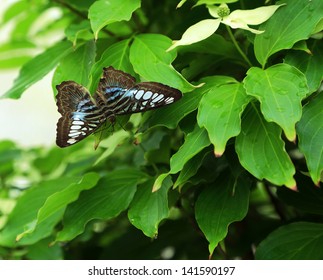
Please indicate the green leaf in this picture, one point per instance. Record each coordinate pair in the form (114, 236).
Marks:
(296, 241)
(111, 143)
(104, 12)
(189, 169)
(14, 54)
(291, 23)
(169, 117)
(220, 110)
(82, 5)
(280, 90)
(81, 30)
(32, 200)
(8, 155)
(117, 55)
(37, 68)
(310, 134)
(310, 64)
(24, 23)
(108, 199)
(261, 150)
(69, 68)
(195, 141)
(42, 251)
(149, 208)
(215, 45)
(151, 61)
(219, 205)
(55, 204)
(159, 181)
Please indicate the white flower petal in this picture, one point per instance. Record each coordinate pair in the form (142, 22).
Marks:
(255, 16)
(197, 32)
(240, 24)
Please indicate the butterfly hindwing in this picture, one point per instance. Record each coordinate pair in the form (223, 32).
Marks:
(80, 116)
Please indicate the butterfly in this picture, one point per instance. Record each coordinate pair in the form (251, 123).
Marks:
(117, 94)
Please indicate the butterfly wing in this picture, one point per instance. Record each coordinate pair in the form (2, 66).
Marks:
(119, 93)
(80, 115)
(147, 96)
(112, 86)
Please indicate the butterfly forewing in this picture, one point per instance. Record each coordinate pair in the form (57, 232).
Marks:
(80, 116)
(112, 86)
(118, 92)
(147, 96)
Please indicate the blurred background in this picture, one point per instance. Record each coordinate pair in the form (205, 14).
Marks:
(30, 120)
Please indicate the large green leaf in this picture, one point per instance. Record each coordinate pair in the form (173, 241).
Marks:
(104, 12)
(261, 150)
(151, 61)
(26, 210)
(116, 55)
(310, 64)
(310, 134)
(291, 23)
(108, 199)
(69, 68)
(280, 90)
(219, 205)
(296, 241)
(149, 208)
(220, 113)
(37, 68)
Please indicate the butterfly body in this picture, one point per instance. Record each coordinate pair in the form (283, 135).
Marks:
(117, 94)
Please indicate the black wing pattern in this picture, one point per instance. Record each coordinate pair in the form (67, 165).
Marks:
(117, 94)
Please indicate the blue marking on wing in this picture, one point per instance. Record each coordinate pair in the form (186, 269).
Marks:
(111, 93)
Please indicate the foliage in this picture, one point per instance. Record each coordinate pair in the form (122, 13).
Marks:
(232, 170)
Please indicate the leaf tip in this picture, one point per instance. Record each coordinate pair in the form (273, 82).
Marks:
(291, 185)
(218, 153)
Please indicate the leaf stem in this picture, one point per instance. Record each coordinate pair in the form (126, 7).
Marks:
(237, 46)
